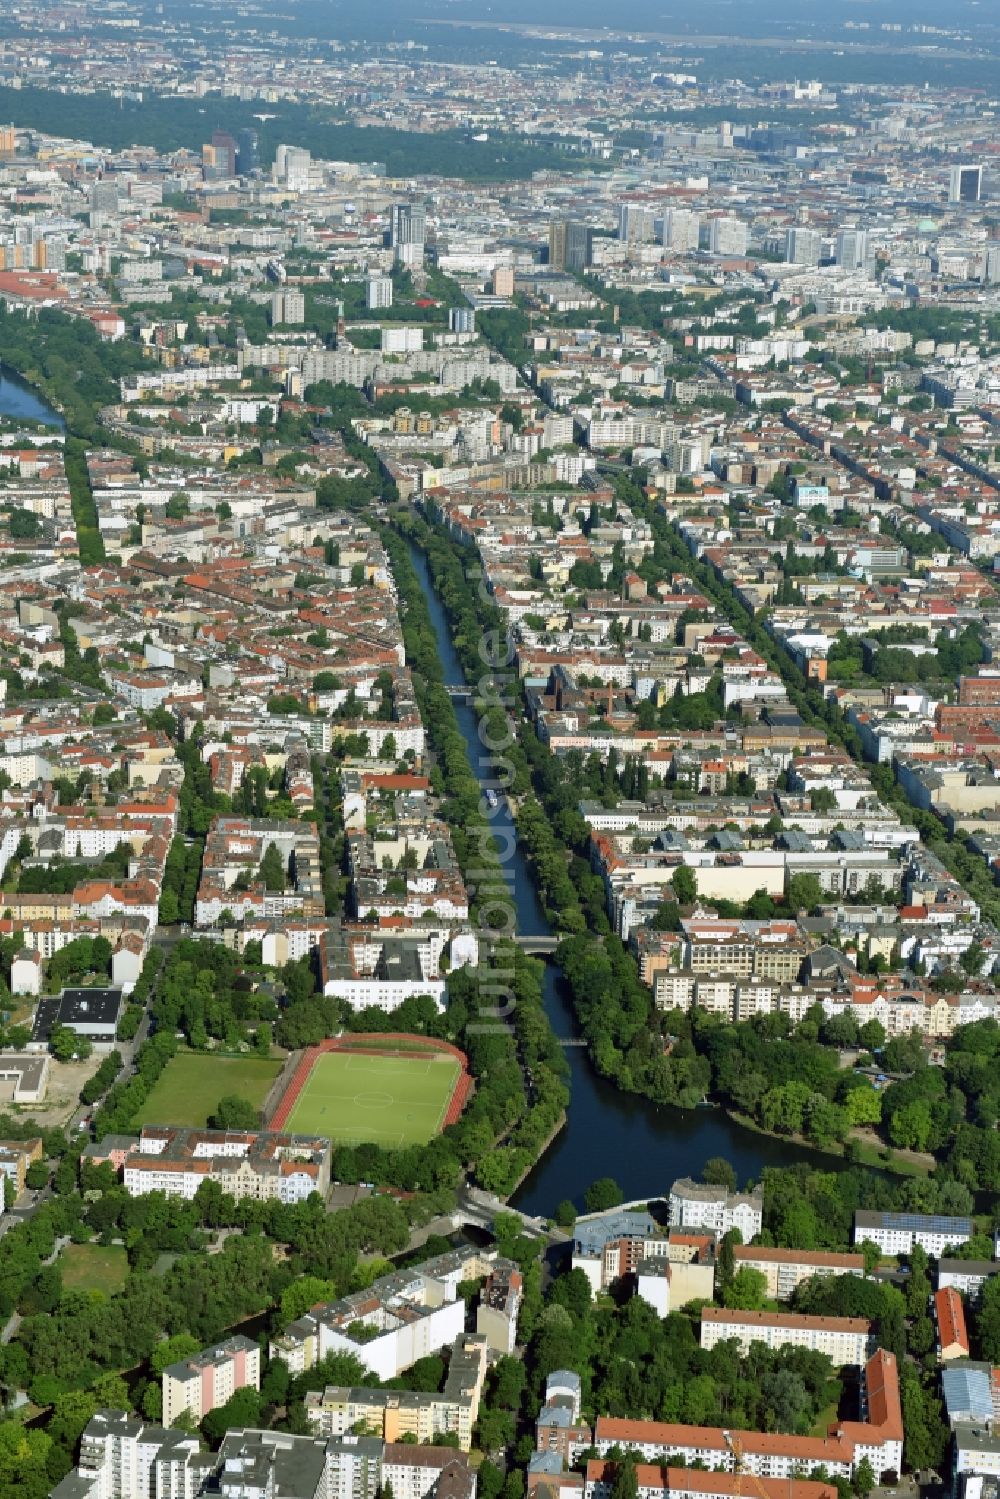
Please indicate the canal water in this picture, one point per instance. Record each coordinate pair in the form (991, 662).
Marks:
(607, 1133)
(19, 402)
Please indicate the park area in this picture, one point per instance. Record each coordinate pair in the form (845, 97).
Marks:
(93, 1267)
(355, 1097)
(191, 1085)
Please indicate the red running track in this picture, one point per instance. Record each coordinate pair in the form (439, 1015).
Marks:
(355, 1042)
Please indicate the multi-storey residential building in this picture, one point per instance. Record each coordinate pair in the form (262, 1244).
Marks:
(121, 1456)
(768, 949)
(879, 1437)
(844, 1340)
(499, 1304)
(400, 1318)
(417, 1472)
(949, 1315)
(124, 1458)
(395, 1414)
(202, 1383)
(656, 1481)
(694, 1205)
(966, 1276)
(785, 1269)
(231, 878)
(896, 1233)
(285, 1168)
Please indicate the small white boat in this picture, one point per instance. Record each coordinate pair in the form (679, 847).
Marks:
(491, 798)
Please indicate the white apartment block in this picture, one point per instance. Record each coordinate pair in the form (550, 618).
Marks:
(844, 1340)
(401, 1318)
(896, 1233)
(966, 1276)
(715, 1210)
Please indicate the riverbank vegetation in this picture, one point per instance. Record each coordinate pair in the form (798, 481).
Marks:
(786, 1082)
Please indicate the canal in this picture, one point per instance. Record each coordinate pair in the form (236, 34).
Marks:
(20, 402)
(607, 1133)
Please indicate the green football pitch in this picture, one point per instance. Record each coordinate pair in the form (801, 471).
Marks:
(357, 1099)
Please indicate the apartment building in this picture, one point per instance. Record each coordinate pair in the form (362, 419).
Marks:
(419, 1472)
(499, 1303)
(785, 1269)
(896, 1233)
(122, 1457)
(559, 1428)
(658, 1481)
(400, 1318)
(205, 1381)
(844, 1340)
(966, 1276)
(694, 1205)
(767, 949)
(879, 1438)
(233, 878)
(264, 1165)
(395, 1414)
(949, 1316)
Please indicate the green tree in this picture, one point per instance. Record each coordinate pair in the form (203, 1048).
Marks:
(747, 1291)
(718, 1172)
(603, 1194)
(65, 1044)
(234, 1112)
(171, 1351)
(625, 1484)
(272, 870)
(565, 1214)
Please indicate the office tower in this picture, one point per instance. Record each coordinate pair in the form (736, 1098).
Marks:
(852, 249)
(571, 245)
(292, 166)
(965, 184)
(215, 163)
(247, 152)
(803, 246)
(409, 224)
(727, 237)
(225, 151)
(503, 281)
(993, 261)
(636, 222)
(407, 233)
(679, 229)
(378, 292)
(8, 144)
(462, 319)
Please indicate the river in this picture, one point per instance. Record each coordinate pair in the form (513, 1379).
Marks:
(607, 1132)
(21, 403)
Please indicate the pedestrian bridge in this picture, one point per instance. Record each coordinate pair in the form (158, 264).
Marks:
(539, 946)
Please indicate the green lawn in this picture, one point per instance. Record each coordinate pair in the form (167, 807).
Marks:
(353, 1099)
(188, 1089)
(92, 1267)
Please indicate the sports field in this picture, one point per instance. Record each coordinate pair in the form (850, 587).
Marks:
(190, 1086)
(355, 1099)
